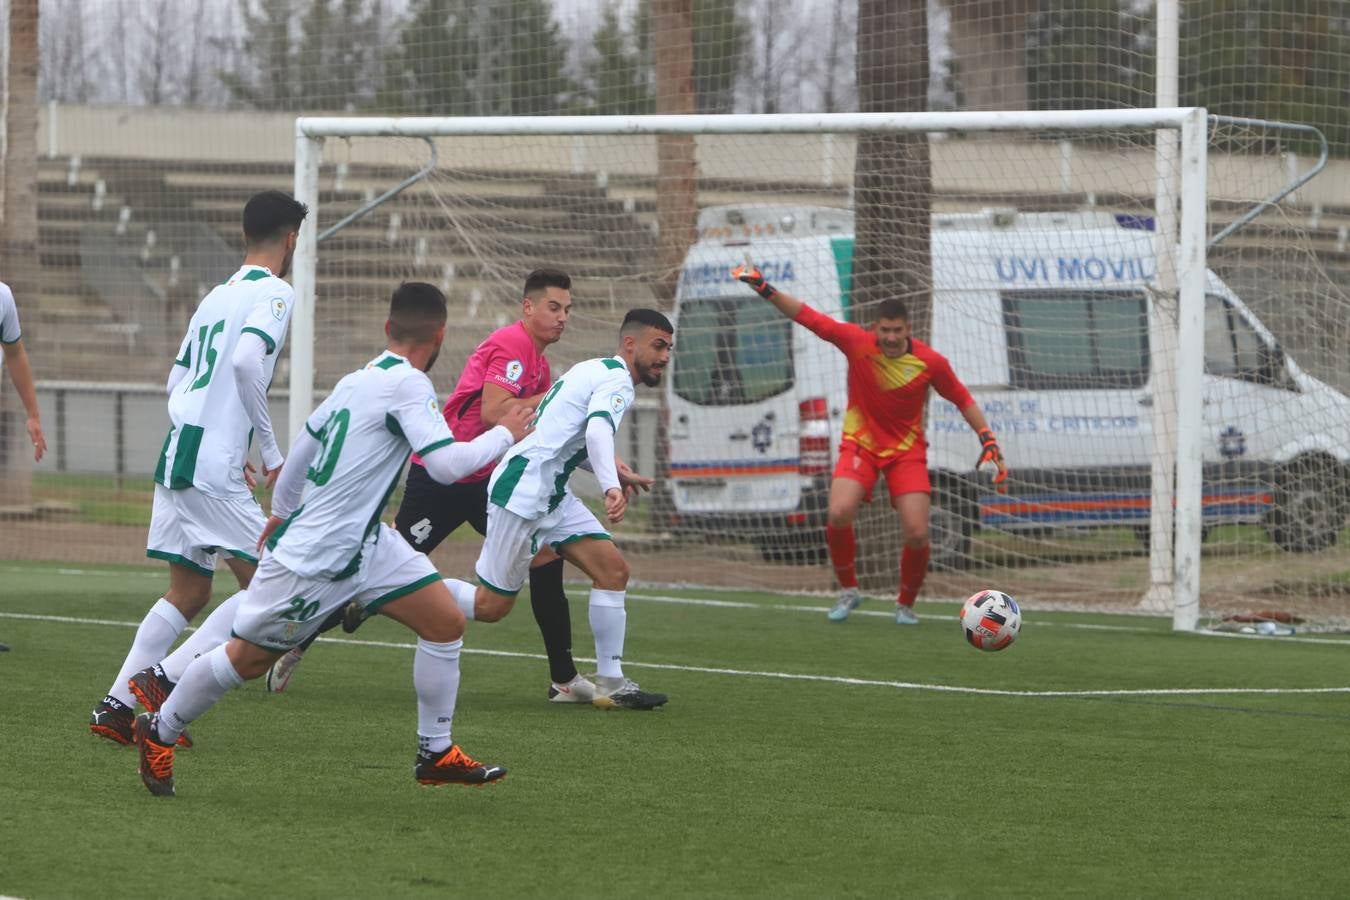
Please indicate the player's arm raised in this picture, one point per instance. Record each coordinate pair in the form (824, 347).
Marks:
(841, 334)
(786, 304)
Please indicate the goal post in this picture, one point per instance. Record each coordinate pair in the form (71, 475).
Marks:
(1178, 289)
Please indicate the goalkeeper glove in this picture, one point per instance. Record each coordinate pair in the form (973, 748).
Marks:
(990, 453)
(751, 276)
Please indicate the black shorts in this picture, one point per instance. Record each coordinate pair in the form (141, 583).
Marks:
(430, 511)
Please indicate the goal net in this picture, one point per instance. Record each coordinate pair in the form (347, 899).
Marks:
(1032, 252)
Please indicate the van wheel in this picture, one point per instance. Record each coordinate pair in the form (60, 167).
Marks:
(951, 522)
(1309, 506)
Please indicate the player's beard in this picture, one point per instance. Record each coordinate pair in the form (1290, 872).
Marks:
(431, 362)
(649, 377)
(286, 264)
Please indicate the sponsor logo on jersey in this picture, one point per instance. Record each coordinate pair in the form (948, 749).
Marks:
(278, 309)
(616, 403)
(514, 369)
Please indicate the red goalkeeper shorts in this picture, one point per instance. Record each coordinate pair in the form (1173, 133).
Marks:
(905, 474)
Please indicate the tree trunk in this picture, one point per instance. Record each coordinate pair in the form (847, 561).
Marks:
(892, 196)
(18, 230)
(893, 180)
(677, 172)
(989, 43)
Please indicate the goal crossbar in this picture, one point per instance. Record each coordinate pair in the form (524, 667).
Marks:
(780, 123)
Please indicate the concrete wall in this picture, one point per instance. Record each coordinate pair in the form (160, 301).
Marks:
(962, 164)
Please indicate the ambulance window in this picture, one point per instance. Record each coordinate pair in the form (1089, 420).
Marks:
(1233, 348)
(1076, 340)
(732, 351)
(1219, 356)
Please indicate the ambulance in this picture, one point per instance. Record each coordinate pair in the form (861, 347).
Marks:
(1045, 317)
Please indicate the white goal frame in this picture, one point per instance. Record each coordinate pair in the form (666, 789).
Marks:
(1182, 172)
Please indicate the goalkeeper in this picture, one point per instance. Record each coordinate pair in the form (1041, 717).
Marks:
(888, 378)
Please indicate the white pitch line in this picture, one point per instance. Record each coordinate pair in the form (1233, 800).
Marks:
(781, 676)
(637, 594)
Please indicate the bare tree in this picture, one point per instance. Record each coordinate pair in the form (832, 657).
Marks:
(196, 55)
(835, 96)
(18, 230)
(159, 69)
(893, 178)
(989, 44)
(69, 64)
(677, 174)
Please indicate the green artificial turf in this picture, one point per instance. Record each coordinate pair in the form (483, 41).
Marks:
(796, 758)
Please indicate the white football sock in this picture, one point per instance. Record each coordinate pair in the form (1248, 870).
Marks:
(609, 620)
(156, 634)
(436, 680)
(208, 636)
(463, 592)
(206, 680)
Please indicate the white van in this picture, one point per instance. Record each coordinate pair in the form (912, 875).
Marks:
(1045, 317)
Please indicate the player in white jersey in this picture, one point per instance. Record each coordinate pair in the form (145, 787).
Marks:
(333, 548)
(530, 504)
(16, 362)
(217, 390)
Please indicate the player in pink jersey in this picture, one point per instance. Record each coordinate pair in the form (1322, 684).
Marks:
(507, 368)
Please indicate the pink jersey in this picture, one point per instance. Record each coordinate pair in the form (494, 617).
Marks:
(507, 359)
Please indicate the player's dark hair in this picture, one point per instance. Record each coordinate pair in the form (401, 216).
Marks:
(892, 308)
(416, 310)
(541, 280)
(271, 215)
(637, 319)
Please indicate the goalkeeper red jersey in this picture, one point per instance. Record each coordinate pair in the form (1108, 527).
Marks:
(886, 396)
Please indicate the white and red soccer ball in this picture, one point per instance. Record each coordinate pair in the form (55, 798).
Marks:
(990, 620)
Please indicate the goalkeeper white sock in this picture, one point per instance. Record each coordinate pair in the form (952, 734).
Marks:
(156, 634)
(436, 680)
(463, 592)
(609, 620)
(208, 636)
(206, 680)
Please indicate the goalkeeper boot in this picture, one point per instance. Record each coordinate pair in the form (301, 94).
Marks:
(112, 719)
(152, 687)
(620, 693)
(848, 601)
(454, 766)
(905, 615)
(279, 676)
(156, 757)
(579, 690)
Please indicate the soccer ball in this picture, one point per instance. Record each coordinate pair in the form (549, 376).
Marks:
(990, 620)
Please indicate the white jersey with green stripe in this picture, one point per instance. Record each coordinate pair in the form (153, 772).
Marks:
(531, 480)
(9, 317)
(367, 428)
(209, 439)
